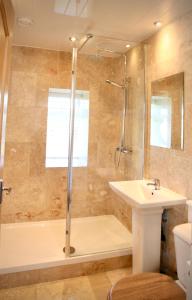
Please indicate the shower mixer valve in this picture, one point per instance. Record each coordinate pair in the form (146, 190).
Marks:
(120, 149)
(124, 149)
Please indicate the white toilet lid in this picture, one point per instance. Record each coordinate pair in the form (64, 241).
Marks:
(184, 232)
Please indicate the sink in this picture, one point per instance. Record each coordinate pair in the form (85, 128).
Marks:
(139, 195)
(147, 208)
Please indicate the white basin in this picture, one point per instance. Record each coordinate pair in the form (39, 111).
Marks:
(139, 195)
(147, 207)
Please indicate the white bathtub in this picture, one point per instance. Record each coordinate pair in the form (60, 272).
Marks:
(36, 245)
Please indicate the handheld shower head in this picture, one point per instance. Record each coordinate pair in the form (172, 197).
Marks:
(115, 84)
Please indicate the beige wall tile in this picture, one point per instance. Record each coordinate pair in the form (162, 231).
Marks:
(169, 52)
(39, 192)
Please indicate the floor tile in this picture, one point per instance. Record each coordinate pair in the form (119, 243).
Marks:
(21, 293)
(69, 289)
(116, 275)
(93, 287)
(100, 285)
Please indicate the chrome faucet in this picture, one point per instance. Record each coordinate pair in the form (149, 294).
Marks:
(156, 183)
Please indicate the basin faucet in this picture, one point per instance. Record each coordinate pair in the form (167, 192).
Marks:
(156, 183)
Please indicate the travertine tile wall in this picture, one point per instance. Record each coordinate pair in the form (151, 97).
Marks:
(40, 193)
(136, 111)
(170, 52)
(133, 162)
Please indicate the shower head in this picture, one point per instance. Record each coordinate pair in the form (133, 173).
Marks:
(110, 51)
(115, 84)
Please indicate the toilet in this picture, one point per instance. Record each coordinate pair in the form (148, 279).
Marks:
(183, 247)
(159, 286)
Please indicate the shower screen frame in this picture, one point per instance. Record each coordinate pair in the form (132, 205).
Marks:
(68, 249)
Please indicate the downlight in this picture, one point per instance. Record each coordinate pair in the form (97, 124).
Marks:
(73, 39)
(157, 24)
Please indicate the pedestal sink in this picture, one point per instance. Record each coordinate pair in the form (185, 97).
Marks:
(147, 207)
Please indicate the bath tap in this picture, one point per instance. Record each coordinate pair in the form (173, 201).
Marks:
(156, 183)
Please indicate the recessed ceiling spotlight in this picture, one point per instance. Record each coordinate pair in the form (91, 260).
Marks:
(25, 21)
(73, 39)
(157, 24)
(128, 46)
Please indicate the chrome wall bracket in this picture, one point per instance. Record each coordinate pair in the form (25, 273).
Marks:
(4, 189)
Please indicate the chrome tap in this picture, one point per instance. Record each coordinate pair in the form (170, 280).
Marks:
(156, 183)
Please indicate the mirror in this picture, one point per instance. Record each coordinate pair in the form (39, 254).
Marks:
(167, 112)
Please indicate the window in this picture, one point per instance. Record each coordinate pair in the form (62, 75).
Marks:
(161, 113)
(58, 128)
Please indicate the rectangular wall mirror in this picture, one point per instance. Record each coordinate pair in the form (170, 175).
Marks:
(167, 112)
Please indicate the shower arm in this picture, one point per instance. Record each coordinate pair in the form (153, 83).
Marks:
(84, 41)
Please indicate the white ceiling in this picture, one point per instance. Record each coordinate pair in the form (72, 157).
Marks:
(122, 21)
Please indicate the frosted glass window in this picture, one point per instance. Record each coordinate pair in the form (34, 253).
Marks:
(58, 128)
(161, 113)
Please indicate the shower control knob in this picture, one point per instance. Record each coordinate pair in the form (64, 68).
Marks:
(4, 189)
(7, 190)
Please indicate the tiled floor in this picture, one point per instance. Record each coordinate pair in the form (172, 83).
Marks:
(93, 287)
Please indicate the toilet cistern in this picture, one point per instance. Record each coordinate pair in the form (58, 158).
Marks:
(183, 247)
